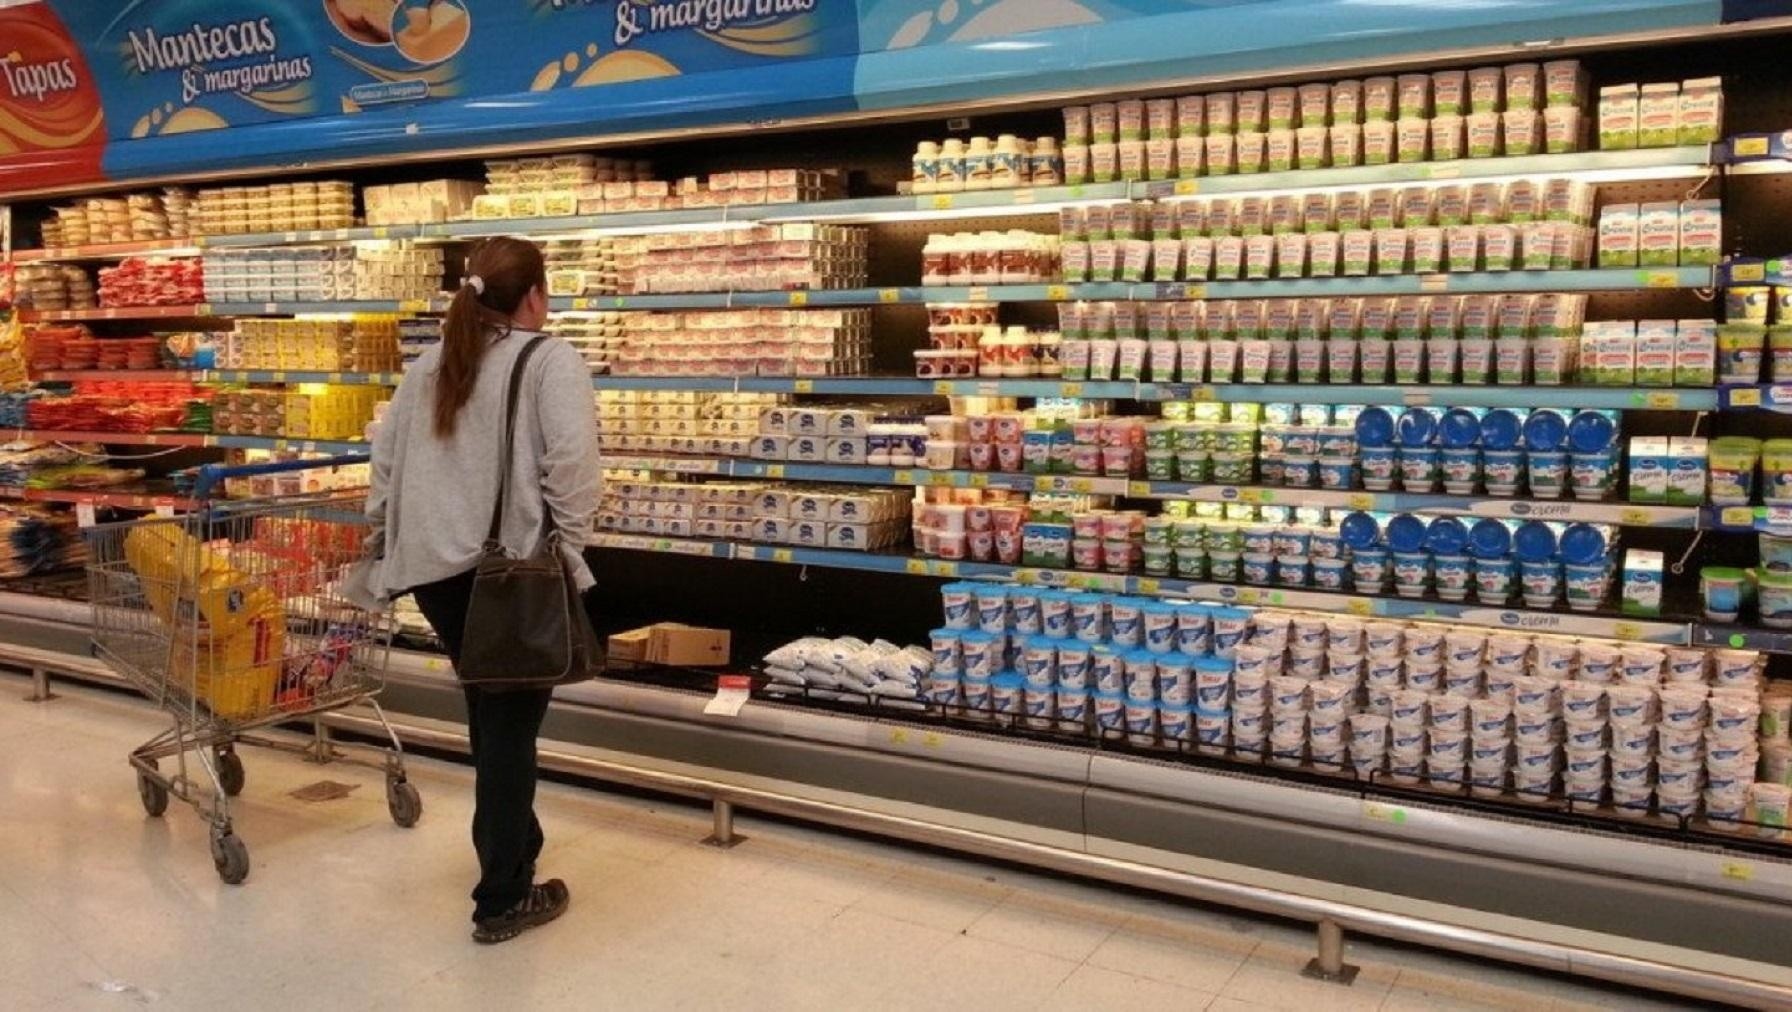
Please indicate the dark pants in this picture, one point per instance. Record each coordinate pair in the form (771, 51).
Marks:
(501, 729)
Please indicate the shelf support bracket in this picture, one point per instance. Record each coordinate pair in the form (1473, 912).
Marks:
(723, 836)
(1329, 964)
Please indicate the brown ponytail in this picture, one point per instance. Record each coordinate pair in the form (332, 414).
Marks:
(500, 273)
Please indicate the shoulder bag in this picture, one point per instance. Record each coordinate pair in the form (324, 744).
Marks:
(526, 622)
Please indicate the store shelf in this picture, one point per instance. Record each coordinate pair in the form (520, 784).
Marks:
(435, 305)
(1616, 398)
(98, 497)
(1655, 163)
(1775, 397)
(1560, 622)
(1565, 510)
(1748, 519)
(1482, 282)
(117, 376)
(1736, 637)
(374, 379)
(192, 439)
(120, 313)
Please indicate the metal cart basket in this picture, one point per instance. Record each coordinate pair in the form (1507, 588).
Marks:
(232, 618)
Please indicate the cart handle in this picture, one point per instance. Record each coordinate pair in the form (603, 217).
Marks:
(212, 474)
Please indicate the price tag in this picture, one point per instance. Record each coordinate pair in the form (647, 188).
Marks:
(1139, 489)
(1194, 293)
(784, 555)
(1444, 172)
(1249, 595)
(1379, 812)
(933, 740)
(979, 480)
(1415, 398)
(978, 293)
(414, 306)
(84, 514)
(1633, 517)
(290, 237)
(276, 377)
(1026, 577)
(662, 545)
(381, 232)
(1070, 390)
(774, 471)
(1046, 484)
(947, 569)
(1360, 501)
(1187, 187)
(942, 388)
(1660, 279)
(903, 478)
(1736, 516)
(1627, 631)
(334, 377)
(1748, 272)
(799, 299)
(1203, 395)
(942, 202)
(732, 693)
(1057, 293)
(942, 479)
(889, 295)
(1745, 397)
(1750, 147)
(1359, 606)
(915, 567)
(1022, 197)
(1434, 283)
(899, 736)
(1148, 585)
(1741, 871)
(270, 307)
(581, 303)
(203, 309)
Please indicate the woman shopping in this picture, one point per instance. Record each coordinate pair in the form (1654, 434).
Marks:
(448, 498)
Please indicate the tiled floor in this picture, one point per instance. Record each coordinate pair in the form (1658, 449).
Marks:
(102, 908)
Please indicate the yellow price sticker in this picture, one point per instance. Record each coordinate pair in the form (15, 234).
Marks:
(1360, 501)
(775, 471)
(899, 736)
(1194, 293)
(942, 202)
(1026, 577)
(947, 569)
(1627, 631)
(799, 298)
(1751, 147)
(1745, 397)
(1434, 283)
(1138, 489)
(1634, 517)
(1748, 272)
(1358, 606)
(933, 739)
(381, 232)
(289, 237)
(662, 545)
(942, 479)
(915, 567)
(979, 480)
(276, 377)
(978, 293)
(334, 377)
(1660, 279)
(783, 555)
(1741, 871)
(1384, 813)
(1661, 400)
(1147, 585)
(1070, 390)
(1187, 187)
(203, 309)
(1203, 395)
(903, 477)
(1057, 293)
(1044, 483)
(414, 306)
(889, 295)
(1249, 595)
(581, 303)
(1737, 516)
(942, 388)
(803, 386)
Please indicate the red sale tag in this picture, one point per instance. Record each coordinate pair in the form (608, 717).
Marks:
(732, 693)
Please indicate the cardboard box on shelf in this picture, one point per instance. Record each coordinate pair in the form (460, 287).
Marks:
(670, 643)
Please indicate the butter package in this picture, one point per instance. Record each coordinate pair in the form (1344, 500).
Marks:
(1649, 469)
(1688, 471)
(1619, 235)
(1642, 583)
(808, 449)
(1618, 117)
(771, 448)
(1658, 234)
(1658, 115)
(1656, 346)
(846, 450)
(1695, 353)
(1701, 232)
(1701, 111)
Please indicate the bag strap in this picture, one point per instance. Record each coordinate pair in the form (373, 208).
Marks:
(504, 462)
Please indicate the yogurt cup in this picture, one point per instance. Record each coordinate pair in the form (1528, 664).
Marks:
(1408, 709)
(1383, 639)
(1464, 683)
(1598, 663)
(1412, 573)
(944, 687)
(1369, 570)
(1632, 742)
(1194, 630)
(1489, 718)
(1306, 662)
(1640, 666)
(1141, 722)
(1384, 673)
(1685, 665)
(1107, 670)
(1429, 679)
(1228, 630)
(1495, 580)
(1451, 713)
(1555, 659)
(1425, 645)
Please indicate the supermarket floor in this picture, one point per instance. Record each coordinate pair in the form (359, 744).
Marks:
(102, 908)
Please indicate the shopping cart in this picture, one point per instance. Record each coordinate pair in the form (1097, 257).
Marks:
(232, 618)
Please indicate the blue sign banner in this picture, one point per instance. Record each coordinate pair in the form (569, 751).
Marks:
(189, 85)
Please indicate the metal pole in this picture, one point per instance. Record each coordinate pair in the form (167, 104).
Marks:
(723, 837)
(1329, 965)
(40, 686)
(321, 749)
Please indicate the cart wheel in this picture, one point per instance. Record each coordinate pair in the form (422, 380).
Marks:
(405, 804)
(230, 856)
(230, 772)
(154, 795)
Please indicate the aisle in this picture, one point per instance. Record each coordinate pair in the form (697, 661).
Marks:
(101, 908)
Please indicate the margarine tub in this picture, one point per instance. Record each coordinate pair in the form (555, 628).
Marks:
(1774, 592)
(1733, 460)
(1776, 554)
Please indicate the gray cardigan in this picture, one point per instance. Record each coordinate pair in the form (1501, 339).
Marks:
(430, 504)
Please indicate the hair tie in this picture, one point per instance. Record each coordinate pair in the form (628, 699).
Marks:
(476, 283)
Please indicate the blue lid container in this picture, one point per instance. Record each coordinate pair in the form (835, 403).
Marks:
(1500, 429)
(1359, 530)
(1545, 431)
(1459, 428)
(1375, 427)
(1446, 536)
(1406, 533)
(1534, 542)
(1591, 432)
(1416, 427)
(1489, 539)
(1582, 545)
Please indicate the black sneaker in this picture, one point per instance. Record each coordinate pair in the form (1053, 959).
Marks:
(544, 903)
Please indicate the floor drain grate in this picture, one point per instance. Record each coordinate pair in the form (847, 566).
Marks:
(325, 790)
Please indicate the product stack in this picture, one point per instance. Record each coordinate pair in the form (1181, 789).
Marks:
(713, 424)
(277, 207)
(52, 288)
(1661, 115)
(1754, 343)
(141, 281)
(990, 258)
(365, 342)
(133, 217)
(851, 519)
(849, 667)
(745, 342)
(72, 349)
(396, 270)
(597, 336)
(585, 184)
(814, 435)
(1521, 109)
(758, 258)
(434, 200)
(1686, 234)
(312, 411)
(578, 267)
(1008, 162)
